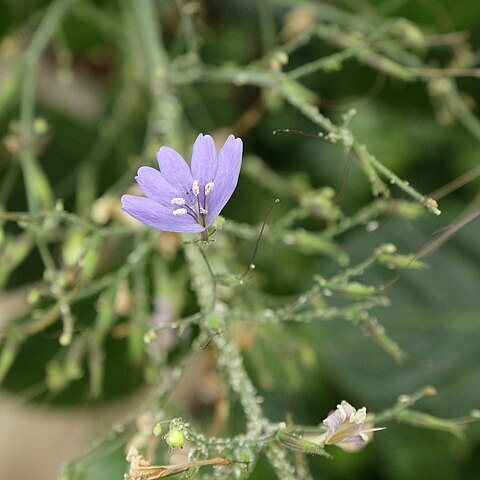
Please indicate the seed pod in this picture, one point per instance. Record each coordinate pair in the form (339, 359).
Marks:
(175, 438)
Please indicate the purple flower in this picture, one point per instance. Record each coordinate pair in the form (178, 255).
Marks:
(345, 425)
(347, 429)
(182, 198)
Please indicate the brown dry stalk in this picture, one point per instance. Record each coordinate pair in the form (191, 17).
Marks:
(140, 469)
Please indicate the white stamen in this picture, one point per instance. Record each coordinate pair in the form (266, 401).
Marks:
(203, 211)
(180, 211)
(195, 188)
(209, 187)
(360, 416)
(177, 201)
(342, 412)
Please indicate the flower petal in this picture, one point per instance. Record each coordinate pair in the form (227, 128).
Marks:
(158, 216)
(229, 163)
(175, 170)
(204, 159)
(154, 186)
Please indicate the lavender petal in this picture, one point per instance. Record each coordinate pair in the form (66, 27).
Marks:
(154, 186)
(175, 170)
(229, 163)
(158, 216)
(204, 159)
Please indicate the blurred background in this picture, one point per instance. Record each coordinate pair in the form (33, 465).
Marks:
(86, 97)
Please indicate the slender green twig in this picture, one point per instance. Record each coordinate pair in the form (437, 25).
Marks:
(332, 62)
(229, 357)
(28, 161)
(170, 378)
(145, 15)
(31, 170)
(213, 280)
(188, 11)
(267, 24)
(429, 203)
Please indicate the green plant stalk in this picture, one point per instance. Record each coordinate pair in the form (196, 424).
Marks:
(229, 356)
(289, 89)
(352, 47)
(462, 112)
(36, 183)
(145, 16)
(230, 359)
(115, 436)
(188, 11)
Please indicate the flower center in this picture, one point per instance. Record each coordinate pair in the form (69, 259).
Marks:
(195, 207)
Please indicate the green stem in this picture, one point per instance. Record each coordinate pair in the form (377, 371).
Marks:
(288, 89)
(229, 356)
(148, 30)
(277, 457)
(213, 278)
(28, 162)
(188, 11)
(351, 49)
(36, 183)
(204, 235)
(428, 203)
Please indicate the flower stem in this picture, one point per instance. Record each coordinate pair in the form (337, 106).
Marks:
(229, 356)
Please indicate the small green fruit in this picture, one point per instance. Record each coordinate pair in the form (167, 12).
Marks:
(175, 438)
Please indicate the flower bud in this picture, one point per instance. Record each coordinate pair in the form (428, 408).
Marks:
(157, 429)
(40, 126)
(348, 290)
(175, 438)
(400, 261)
